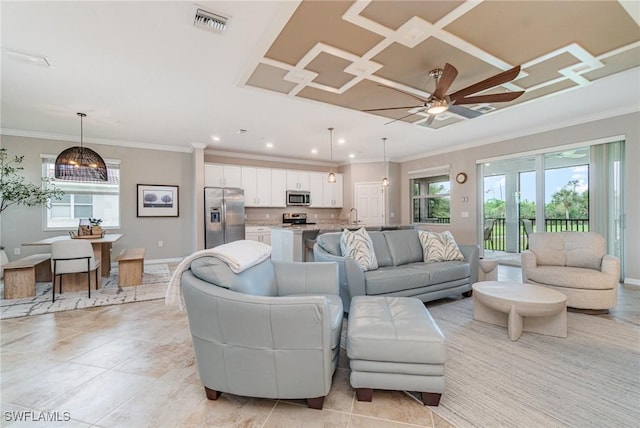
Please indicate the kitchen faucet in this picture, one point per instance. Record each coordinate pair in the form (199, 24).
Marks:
(351, 211)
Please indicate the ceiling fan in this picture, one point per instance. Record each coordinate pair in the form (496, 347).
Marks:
(440, 101)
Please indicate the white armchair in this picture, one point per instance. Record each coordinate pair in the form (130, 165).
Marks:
(575, 264)
(72, 256)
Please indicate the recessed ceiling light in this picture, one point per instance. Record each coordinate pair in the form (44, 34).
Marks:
(352, 155)
(314, 151)
(341, 141)
(215, 138)
(269, 145)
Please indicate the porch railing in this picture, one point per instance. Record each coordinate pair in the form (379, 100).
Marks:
(497, 240)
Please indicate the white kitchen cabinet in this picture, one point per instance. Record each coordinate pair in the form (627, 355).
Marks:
(258, 233)
(297, 180)
(249, 186)
(316, 188)
(222, 175)
(256, 183)
(333, 193)
(278, 188)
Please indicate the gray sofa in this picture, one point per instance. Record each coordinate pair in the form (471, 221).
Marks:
(401, 270)
(271, 331)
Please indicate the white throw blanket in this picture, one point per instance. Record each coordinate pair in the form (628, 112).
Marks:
(239, 255)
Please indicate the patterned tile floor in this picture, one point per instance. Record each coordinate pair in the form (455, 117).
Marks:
(132, 365)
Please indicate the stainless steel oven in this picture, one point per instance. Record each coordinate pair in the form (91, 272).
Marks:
(298, 198)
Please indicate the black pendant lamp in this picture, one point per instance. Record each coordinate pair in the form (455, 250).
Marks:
(79, 163)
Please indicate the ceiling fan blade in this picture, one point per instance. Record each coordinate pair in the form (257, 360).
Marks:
(400, 118)
(393, 108)
(490, 98)
(406, 93)
(498, 79)
(464, 112)
(449, 74)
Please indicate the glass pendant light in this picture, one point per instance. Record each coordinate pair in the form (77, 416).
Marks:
(332, 176)
(385, 180)
(80, 163)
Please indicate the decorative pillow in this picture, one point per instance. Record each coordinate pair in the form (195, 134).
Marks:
(359, 246)
(439, 247)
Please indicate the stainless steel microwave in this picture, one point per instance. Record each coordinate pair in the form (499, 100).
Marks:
(298, 198)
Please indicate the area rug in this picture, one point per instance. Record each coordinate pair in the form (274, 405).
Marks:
(154, 285)
(590, 378)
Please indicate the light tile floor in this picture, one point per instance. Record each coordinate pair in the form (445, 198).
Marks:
(133, 365)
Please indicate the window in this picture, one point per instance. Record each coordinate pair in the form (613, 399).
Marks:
(84, 200)
(430, 195)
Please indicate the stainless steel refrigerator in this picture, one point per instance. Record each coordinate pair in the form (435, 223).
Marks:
(224, 215)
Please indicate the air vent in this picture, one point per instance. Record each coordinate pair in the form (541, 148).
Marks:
(31, 59)
(210, 21)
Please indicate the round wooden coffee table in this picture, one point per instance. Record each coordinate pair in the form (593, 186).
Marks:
(520, 307)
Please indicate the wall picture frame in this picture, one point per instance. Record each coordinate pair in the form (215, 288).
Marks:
(156, 200)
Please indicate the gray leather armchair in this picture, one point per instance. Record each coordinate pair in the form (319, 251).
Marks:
(271, 331)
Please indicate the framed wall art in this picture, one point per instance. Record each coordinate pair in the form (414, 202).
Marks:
(157, 200)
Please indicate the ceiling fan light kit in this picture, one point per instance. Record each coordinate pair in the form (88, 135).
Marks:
(437, 107)
(80, 163)
(440, 101)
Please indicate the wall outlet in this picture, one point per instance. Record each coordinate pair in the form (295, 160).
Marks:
(333, 215)
(315, 216)
(16, 251)
(464, 214)
(392, 214)
(160, 244)
(267, 215)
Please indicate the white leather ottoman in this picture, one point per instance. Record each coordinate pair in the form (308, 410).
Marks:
(394, 343)
(520, 307)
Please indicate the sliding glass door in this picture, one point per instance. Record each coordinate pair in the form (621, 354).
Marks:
(578, 189)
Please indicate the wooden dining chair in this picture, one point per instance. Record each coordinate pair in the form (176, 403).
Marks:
(72, 256)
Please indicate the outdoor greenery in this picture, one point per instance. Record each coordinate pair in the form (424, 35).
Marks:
(15, 191)
(568, 210)
(566, 203)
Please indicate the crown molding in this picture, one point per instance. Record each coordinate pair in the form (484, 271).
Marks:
(528, 132)
(268, 158)
(103, 141)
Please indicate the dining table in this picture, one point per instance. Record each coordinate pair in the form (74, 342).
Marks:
(101, 248)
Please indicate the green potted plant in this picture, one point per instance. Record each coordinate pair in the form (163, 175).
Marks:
(15, 191)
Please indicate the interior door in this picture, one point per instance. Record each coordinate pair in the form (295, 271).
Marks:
(370, 204)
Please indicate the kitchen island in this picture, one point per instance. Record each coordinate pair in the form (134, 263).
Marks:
(288, 242)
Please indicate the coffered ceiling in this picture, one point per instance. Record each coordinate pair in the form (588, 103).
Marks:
(351, 53)
(286, 71)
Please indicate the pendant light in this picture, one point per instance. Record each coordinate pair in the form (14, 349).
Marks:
(332, 176)
(79, 163)
(385, 180)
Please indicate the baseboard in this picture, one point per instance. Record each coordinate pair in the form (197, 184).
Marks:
(632, 281)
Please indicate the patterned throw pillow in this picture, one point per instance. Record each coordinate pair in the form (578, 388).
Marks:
(439, 247)
(359, 246)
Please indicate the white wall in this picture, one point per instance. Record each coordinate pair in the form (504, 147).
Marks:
(138, 166)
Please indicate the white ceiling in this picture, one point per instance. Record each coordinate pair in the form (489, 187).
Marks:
(146, 77)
